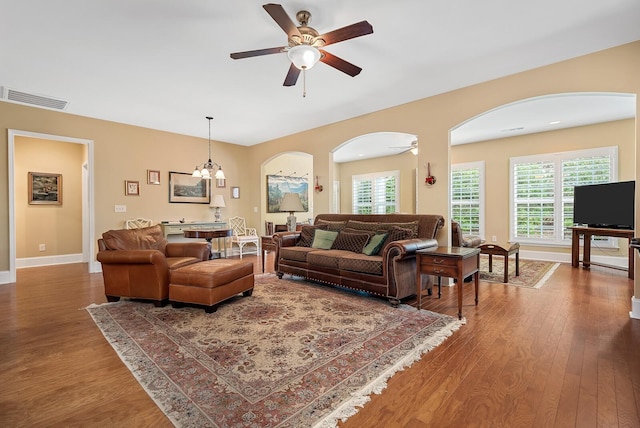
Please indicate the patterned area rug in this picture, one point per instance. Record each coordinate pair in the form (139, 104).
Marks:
(533, 273)
(294, 354)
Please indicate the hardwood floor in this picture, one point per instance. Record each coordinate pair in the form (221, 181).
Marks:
(562, 356)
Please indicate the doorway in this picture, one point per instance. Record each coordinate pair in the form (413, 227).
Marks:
(86, 193)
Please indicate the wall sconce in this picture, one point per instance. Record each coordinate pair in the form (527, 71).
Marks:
(318, 187)
(430, 180)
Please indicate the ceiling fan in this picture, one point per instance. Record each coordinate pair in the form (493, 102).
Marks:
(305, 45)
(413, 147)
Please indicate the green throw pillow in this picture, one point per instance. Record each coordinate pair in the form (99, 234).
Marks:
(323, 239)
(374, 244)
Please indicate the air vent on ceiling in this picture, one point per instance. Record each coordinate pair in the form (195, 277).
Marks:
(32, 99)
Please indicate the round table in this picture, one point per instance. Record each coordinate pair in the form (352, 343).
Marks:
(210, 234)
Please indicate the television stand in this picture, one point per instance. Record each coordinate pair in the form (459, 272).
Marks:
(588, 232)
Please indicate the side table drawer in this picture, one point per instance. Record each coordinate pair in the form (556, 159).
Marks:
(439, 270)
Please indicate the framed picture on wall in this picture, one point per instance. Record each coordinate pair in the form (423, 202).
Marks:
(183, 188)
(278, 185)
(131, 188)
(45, 188)
(235, 193)
(221, 182)
(153, 176)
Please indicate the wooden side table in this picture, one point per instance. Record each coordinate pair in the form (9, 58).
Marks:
(208, 235)
(266, 244)
(504, 250)
(451, 262)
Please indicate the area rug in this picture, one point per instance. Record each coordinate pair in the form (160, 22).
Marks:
(295, 354)
(533, 273)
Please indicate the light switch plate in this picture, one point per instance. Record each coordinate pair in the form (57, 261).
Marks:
(121, 208)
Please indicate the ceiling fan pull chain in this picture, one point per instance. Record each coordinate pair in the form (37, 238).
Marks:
(304, 82)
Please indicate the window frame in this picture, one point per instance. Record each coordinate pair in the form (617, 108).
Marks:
(560, 238)
(372, 177)
(465, 166)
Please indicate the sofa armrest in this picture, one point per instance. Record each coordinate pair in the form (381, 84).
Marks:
(131, 257)
(286, 239)
(399, 265)
(199, 250)
(408, 247)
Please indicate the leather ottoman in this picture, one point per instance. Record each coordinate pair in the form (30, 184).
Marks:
(210, 282)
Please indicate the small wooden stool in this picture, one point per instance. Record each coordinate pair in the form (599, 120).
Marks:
(210, 282)
(502, 250)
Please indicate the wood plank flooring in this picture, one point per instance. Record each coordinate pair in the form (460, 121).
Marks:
(565, 355)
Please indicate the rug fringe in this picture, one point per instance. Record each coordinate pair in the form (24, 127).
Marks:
(360, 398)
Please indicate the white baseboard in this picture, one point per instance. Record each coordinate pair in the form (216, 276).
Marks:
(48, 260)
(635, 308)
(5, 277)
(621, 262)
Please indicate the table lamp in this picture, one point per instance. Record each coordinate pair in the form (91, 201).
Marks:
(217, 202)
(291, 203)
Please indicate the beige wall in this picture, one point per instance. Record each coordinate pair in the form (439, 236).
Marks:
(496, 154)
(59, 227)
(405, 163)
(125, 152)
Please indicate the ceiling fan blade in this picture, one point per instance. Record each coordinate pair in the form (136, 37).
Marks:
(345, 33)
(282, 19)
(292, 76)
(339, 64)
(257, 52)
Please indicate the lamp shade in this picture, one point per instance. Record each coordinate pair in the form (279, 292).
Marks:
(217, 201)
(304, 56)
(291, 203)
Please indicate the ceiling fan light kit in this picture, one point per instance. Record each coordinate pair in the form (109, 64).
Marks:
(304, 44)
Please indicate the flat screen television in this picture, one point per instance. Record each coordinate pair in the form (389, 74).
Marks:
(609, 205)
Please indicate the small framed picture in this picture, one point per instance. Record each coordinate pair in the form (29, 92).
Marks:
(131, 188)
(153, 176)
(221, 182)
(45, 188)
(235, 193)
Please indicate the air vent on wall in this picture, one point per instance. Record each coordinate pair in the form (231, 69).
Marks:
(32, 99)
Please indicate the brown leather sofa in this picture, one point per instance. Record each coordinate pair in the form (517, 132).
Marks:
(390, 273)
(136, 262)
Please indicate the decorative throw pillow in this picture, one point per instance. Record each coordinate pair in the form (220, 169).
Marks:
(307, 233)
(374, 245)
(323, 239)
(395, 234)
(350, 241)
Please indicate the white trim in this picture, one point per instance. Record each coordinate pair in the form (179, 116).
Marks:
(87, 238)
(48, 260)
(635, 308)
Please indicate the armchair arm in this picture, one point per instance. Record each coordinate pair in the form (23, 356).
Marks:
(200, 250)
(131, 257)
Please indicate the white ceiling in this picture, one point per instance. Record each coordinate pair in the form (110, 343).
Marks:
(165, 64)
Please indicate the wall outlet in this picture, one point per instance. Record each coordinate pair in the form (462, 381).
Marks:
(42, 247)
(494, 238)
(120, 208)
(255, 209)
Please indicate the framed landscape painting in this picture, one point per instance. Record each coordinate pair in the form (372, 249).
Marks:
(278, 185)
(183, 188)
(45, 188)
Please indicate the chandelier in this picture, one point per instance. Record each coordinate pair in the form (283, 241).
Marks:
(208, 169)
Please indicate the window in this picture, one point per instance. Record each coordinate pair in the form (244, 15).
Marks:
(376, 193)
(467, 197)
(542, 191)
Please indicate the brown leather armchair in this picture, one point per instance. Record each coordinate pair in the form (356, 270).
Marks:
(458, 239)
(136, 262)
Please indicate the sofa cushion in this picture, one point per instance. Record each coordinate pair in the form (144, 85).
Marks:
(361, 263)
(350, 241)
(374, 226)
(323, 239)
(375, 243)
(295, 253)
(146, 238)
(307, 233)
(395, 234)
(332, 225)
(326, 258)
